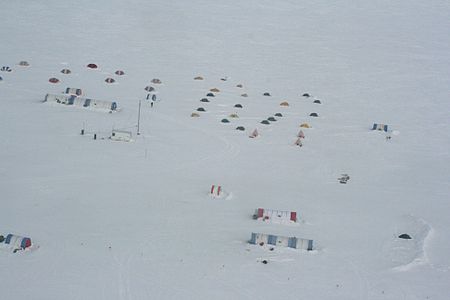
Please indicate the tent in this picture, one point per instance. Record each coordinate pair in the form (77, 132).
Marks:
(233, 116)
(265, 122)
(284, 241)
(156, 81)
(66, 71)
(5, 69)
(195, 115)
(380, 127)
(241, 128)
(119, 72)
(284, 103)
(272, 119)
(17, 242)
(149, 88)
(275, 216)
(239, 85)
(301, 134)
(238, 105)
(244, 95)
(121, 135)
(305, 125)
(204, 100)
(278, 115)
(110, 80)
(254, 134)
(313, 114)
(214, 90)
(1, 78)
(201, 109)
(210, 95)
(74, 91)
(198, 78)
(298, 142)
(92, 66)
(24, 63)
(306, 95)
(53, 80)
(266, 94)
(73, 100)
(225, 121)
(317, 101)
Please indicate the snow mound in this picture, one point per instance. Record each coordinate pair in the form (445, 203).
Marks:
(404, 254)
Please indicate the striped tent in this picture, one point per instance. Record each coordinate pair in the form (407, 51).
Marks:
(275, 216)
(17, 242)
(110, 80)
(380, 127)
(66, 71)
(283, 241)
(119, 72)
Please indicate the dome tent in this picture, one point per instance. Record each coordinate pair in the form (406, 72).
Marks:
(66, 71)
(240, 128)
(306, 95)
(233, 115)
(266, 94)
(317, 101)
(201, 109)
(24, 63)
(210, 95)
(238, 105)
(92, 66)
(305, 125)
(119, 72)
(215, 90)
(284, 103)
(278, 115)
(225, 121)
(195, 115)
(204, 100)
(313, 114)
(244, 95)
(198, 78)
(272, 119)
(53, 80)
(156, 81)
(110, 80)
(265, 122)
(149, 88)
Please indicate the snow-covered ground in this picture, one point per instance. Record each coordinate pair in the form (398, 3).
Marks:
(117, 220)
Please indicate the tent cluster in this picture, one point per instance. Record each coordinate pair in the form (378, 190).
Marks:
(279, 217)
(344, 178)
(5, 69)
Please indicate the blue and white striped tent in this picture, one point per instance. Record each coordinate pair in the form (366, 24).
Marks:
(380, 127)
(284, 241)
(68, 99)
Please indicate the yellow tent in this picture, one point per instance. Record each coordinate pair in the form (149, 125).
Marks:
(198, 78)
(215, 90)
(284, 103)
(195, 115)
(305, 125)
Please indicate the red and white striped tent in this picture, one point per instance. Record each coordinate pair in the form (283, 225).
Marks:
(275, 216)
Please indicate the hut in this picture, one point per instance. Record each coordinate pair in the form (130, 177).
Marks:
(17, 242)
(284, 241)
(73, 100)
